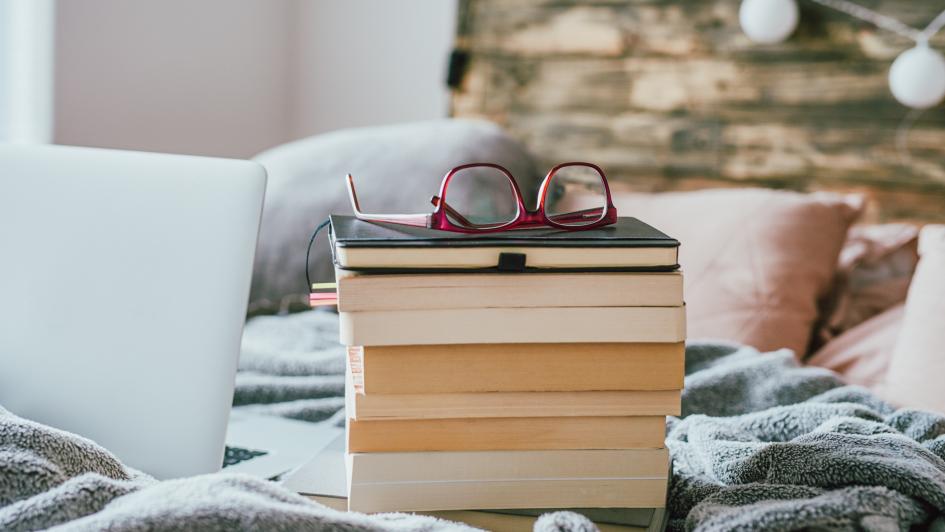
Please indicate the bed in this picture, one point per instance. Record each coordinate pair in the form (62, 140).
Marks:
(811, 395)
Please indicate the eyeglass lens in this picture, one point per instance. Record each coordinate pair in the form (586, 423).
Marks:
(583, 196)
(481, 197)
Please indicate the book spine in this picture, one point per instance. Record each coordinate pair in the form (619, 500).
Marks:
(543, 493)
(496, 325)
(522, 368)
(426, 292)
(512, 434)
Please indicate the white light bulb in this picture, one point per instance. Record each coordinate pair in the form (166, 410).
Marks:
(917, 77)
(768, 21)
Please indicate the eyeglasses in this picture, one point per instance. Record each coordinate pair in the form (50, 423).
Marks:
(484, 198)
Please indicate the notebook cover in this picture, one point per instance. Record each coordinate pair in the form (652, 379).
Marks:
(348, 231)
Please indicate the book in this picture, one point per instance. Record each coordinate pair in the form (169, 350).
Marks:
(506, 521)
(627, 245)
(524, 520)
(512, 404)
(461, 290)
(510, 325)
(324, 480)
(432, 369)
(540, 493)
(505, 434)
(490, 466)
(428, 481)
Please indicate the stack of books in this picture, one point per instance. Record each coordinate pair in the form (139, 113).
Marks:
(523, 371)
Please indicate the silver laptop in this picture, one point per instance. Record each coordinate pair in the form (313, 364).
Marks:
(124, 280)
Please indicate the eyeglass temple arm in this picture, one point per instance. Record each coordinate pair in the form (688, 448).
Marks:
(435, 200)
(417, 220)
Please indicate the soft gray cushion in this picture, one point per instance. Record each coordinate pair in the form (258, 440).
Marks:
(396, 169)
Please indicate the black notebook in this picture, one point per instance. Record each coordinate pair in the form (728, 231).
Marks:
(628, 245)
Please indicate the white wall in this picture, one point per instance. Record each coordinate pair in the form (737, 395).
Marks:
(364, 62)
(218, 77)
(202, 77)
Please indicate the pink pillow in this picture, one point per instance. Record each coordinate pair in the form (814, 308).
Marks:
(861, 355)
(755, 261)
(873, 275)
(918, 361)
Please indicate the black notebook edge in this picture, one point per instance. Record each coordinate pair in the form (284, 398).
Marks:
(497, 269)
(507, 239)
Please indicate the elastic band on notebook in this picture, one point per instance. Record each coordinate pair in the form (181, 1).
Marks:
(511, 262)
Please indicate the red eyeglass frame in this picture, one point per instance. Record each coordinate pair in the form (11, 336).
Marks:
(525, 219)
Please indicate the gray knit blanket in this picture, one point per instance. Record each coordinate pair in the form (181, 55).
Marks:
(762, 444)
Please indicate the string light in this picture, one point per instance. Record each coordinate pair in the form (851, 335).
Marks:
(768, 21)
(916, 77)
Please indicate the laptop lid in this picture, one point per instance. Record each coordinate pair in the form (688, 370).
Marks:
(124, 281)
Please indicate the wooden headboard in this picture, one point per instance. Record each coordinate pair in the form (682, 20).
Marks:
(671, 95)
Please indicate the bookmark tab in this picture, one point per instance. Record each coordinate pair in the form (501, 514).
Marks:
(323, 295)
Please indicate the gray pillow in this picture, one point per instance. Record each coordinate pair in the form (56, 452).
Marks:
(396, 169)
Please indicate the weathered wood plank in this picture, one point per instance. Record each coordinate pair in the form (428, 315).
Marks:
(686, 85)
(670, 95)
(686, 145)
(683, 29)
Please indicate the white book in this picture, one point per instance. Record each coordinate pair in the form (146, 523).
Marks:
(429, 481)
(363, 406)
(459, 290)
(323, 479)
(509, 325)
(502, 494)
(470, 466)
(488, 257)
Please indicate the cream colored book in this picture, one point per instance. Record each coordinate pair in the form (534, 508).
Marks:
(488, 257)
(451, 291)
(507, 522)
(470, 466)
(526, 523)
(538, 493)
(428, 481)
(429, 369)
(491, 434)
(510, 404)
(501, 325)
(513, 404)
(324, 480)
